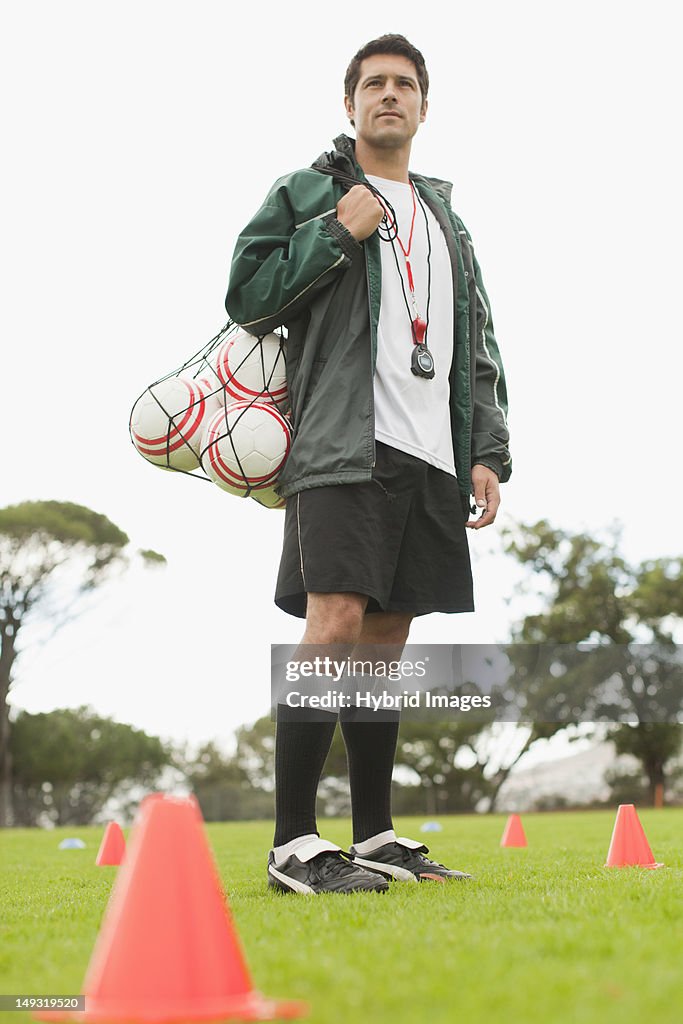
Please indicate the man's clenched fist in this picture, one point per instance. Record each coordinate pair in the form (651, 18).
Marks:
(360, 212)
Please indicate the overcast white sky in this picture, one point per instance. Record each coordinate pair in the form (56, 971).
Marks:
(139, 139)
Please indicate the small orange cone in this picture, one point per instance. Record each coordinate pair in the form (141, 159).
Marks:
(629, 846)
(513, 834)
(112, 847)
(167, 950)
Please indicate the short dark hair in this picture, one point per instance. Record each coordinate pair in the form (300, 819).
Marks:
(387, 44)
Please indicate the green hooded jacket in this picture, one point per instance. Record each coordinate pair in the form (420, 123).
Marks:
(295, 265)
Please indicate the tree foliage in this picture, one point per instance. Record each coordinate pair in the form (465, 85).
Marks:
(447, 782)
(69, 762)
(223, 788)
(632, 675)
(51, 554)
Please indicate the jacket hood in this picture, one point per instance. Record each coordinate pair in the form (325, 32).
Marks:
(343, 158)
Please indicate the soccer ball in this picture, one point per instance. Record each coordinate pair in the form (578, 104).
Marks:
(269, 498)
(244, 449)
(253, 369)
(167, 423)
(214, 393)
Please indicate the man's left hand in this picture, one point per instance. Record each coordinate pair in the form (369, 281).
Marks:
(486, 495)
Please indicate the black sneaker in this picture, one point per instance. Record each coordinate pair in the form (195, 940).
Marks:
(319, 866)
(404, 861)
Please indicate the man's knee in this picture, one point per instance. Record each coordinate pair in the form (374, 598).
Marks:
(334, 618)
(386, 628)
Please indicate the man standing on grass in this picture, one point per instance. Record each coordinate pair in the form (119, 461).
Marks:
(398, 410)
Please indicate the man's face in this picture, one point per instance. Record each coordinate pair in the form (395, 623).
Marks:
(387, 106)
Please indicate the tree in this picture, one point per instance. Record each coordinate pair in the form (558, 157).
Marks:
(443, 756)
(222, 787)
(632, 676)
(255, 753)
(68, 763)
(52, 553)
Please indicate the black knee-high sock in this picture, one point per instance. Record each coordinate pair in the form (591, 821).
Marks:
(300, 751)
(370, 751)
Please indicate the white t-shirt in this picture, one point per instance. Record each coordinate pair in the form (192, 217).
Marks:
(413, 413)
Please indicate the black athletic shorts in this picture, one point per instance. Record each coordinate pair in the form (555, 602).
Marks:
(400, 538)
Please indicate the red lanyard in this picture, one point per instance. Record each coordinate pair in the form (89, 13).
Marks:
(418, 324)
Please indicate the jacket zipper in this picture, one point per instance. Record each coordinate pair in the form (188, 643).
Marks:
(372, 384)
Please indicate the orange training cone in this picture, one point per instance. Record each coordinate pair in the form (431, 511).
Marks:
(167, 949)
(629, 846)
(514, 832)
(113, 845)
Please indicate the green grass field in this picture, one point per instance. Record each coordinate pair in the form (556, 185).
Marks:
(544, 934)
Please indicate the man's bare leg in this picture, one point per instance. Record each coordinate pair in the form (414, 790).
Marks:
(334, 618)
(386, 628)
